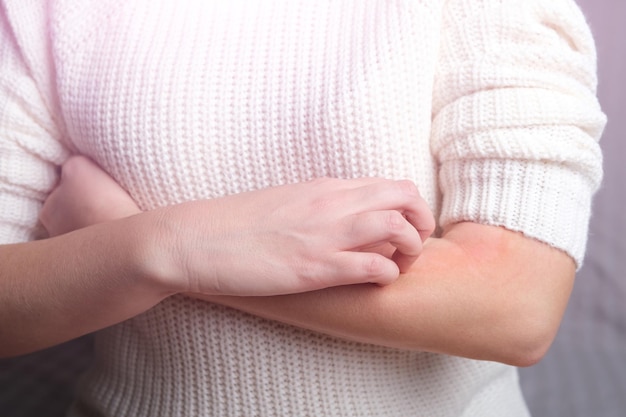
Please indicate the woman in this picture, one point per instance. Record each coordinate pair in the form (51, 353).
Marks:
(203, 111)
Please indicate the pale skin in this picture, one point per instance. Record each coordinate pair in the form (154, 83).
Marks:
(478, 291)
(281, 240)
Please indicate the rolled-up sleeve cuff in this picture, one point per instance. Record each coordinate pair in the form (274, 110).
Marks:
(544, 200)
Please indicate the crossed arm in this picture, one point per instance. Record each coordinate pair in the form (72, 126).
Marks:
(478, 291)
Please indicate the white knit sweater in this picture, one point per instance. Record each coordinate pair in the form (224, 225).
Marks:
(488, 105)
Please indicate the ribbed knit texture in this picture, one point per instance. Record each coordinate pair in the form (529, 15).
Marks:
(487, 105)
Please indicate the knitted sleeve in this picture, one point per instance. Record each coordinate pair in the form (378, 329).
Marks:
(30, 146)
(515, 119)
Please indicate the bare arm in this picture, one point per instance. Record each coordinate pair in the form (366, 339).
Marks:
(479, 291)
(57, 289)
(95, 276)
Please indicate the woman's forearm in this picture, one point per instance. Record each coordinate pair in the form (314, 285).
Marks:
(96, 276)
(480, 292)
(57, 289)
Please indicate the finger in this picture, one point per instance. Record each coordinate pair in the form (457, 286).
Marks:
(363, 267)
(393, 195)
(378, 227)
(403, 260)
(421, 217)
(386, 249)
(90, 186)
(338, 196)
(347, 183)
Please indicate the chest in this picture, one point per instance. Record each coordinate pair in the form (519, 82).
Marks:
(198, 99)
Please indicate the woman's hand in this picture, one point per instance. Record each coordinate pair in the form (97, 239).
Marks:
(479, 291)
(85, 195)
(286, 239)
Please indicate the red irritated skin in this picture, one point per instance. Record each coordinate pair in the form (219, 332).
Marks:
(479, 291)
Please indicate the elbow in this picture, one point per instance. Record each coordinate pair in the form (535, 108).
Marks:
(523, 286)
(528, 332)
(530, 322)
(528, 347)
(529, 358)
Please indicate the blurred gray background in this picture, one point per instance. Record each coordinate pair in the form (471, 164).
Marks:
(583, 375)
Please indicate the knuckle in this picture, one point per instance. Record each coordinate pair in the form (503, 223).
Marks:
(308, 273)
(394, 220)
(323, 194)
(408, 187)
(375, 267)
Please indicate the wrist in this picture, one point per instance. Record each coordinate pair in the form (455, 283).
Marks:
(150, 243)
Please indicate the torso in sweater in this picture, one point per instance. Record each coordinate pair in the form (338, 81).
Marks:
(183, 100)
